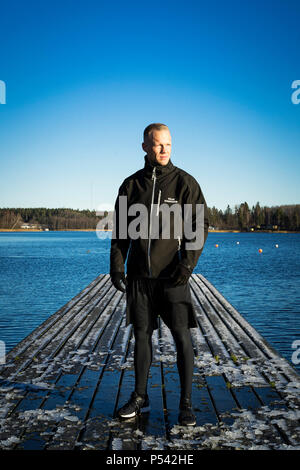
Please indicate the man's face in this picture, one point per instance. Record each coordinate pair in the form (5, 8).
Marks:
(158, 146)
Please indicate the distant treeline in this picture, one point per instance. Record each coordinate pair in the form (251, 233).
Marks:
(53, 219)
(241, 217)
(244, 218)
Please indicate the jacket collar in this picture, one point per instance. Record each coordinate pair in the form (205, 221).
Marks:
(160, 169)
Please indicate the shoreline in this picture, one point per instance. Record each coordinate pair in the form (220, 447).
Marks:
(8, 230)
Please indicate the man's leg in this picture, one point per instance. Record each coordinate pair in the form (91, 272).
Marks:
(139, 401)
(141, 317)
(185, 365)
(177, 316)
(142, 357)
(185, 359)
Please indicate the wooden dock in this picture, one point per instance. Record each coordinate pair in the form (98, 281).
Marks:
(61, 386)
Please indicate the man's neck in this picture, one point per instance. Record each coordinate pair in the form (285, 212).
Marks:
(155, 162)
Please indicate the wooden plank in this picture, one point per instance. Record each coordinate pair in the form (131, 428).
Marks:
(55, 399)
(235, 349)
(123, 432)
(225, 329)
(260, 342)
(229, 340)
(34, 336)
(84, 391)
(36, 351)
(267, 396)
(239, 394)
(96, 432)
(59, 398)
(56, 365)
(208, 331)
(221, 321)
(30, 392)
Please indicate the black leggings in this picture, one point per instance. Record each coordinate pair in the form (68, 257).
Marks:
(143, 358)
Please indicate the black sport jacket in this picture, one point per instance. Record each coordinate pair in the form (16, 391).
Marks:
(154, 256)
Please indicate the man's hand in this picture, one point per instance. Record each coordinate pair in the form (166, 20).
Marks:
(180, 276)
(117, 278)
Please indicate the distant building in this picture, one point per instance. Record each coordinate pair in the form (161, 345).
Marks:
(29, 226)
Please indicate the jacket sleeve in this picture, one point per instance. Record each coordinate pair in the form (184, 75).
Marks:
(119, 246)
(198, 225)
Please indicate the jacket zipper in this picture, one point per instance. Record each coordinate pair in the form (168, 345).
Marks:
(129, 251)
(179, 248)
(150, 222)
(158, 203)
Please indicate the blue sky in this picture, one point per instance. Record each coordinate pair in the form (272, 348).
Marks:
(84, 78)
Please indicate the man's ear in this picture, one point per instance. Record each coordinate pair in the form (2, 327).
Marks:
(144, 146)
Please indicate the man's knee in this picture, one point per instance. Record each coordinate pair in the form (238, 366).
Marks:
(143, 332)
(182, 336)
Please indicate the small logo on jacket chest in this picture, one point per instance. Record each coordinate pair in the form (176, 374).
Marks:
(171, 200)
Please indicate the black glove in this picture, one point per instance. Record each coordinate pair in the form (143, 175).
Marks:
(181, 275)
(116, 279)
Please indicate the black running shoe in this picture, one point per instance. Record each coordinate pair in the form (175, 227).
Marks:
(135, 406)
(186, 416)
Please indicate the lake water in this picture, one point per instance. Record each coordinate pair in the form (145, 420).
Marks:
(40, 272)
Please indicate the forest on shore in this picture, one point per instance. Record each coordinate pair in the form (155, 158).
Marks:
(241, 217)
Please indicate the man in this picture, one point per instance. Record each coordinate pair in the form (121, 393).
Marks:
(158, 268)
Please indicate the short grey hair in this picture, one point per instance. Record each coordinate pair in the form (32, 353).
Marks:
(155, 126)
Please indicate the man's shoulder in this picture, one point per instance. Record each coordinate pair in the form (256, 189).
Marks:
(136, 175)
(186, 177)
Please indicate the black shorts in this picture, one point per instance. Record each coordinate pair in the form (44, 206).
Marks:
(149, 298)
